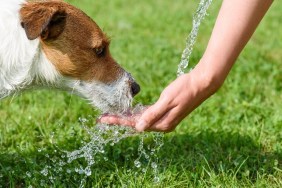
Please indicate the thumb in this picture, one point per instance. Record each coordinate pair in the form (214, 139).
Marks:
(151, 115)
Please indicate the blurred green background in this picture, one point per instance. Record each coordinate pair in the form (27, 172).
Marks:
(233, 140)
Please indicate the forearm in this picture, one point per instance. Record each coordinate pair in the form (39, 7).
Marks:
(235, 24)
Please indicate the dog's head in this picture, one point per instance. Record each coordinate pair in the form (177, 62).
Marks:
(79, 51)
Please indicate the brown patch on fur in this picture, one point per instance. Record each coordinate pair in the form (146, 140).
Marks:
(37, 19)
(70, 40)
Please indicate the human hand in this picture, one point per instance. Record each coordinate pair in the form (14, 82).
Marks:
(174, 104)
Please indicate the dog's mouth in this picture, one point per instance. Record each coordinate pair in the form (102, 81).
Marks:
(118, 102)
(115, 97)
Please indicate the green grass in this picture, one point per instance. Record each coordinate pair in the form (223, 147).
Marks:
(233, 140)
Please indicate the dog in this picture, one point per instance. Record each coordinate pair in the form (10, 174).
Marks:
(52, 44)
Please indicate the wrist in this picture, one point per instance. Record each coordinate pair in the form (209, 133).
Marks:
(206, 77)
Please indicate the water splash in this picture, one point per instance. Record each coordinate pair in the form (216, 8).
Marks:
(104, 135)
(190, 41)
(100, 136)
(94, 151)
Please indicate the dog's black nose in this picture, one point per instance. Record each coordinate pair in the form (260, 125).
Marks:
(135, 88)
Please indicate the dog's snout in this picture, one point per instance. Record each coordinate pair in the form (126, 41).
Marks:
(135, 88)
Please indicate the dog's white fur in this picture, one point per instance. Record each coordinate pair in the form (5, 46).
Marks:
(24, 65)
(21, 60)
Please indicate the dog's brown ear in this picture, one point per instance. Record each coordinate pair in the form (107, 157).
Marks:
(46, 20)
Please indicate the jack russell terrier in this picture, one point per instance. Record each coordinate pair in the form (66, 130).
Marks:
(53, 44)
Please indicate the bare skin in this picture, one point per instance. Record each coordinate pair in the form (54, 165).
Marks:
(235, 24)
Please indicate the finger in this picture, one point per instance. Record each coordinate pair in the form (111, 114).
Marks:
(151, 115)
(167, 123)
(117, 120)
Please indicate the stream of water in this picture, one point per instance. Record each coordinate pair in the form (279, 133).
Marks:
(191, 39)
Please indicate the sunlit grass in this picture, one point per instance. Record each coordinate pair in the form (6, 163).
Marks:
(233, 140)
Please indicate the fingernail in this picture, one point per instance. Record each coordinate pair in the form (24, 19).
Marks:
(140, 126)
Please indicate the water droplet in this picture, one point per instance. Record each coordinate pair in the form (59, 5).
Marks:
(28, 174)
(154, 165)
(44, 172)
(82, 120)
(156, 179)
(88, 171)
(61, 163)
(137, 163)
(42, 183)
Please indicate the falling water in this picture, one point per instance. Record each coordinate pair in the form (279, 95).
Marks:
(191, 39)
(94, 151)
(103, 135)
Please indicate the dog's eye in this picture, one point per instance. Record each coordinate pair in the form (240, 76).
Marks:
(100, 51)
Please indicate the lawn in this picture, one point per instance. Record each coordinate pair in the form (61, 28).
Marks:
(233, 140)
